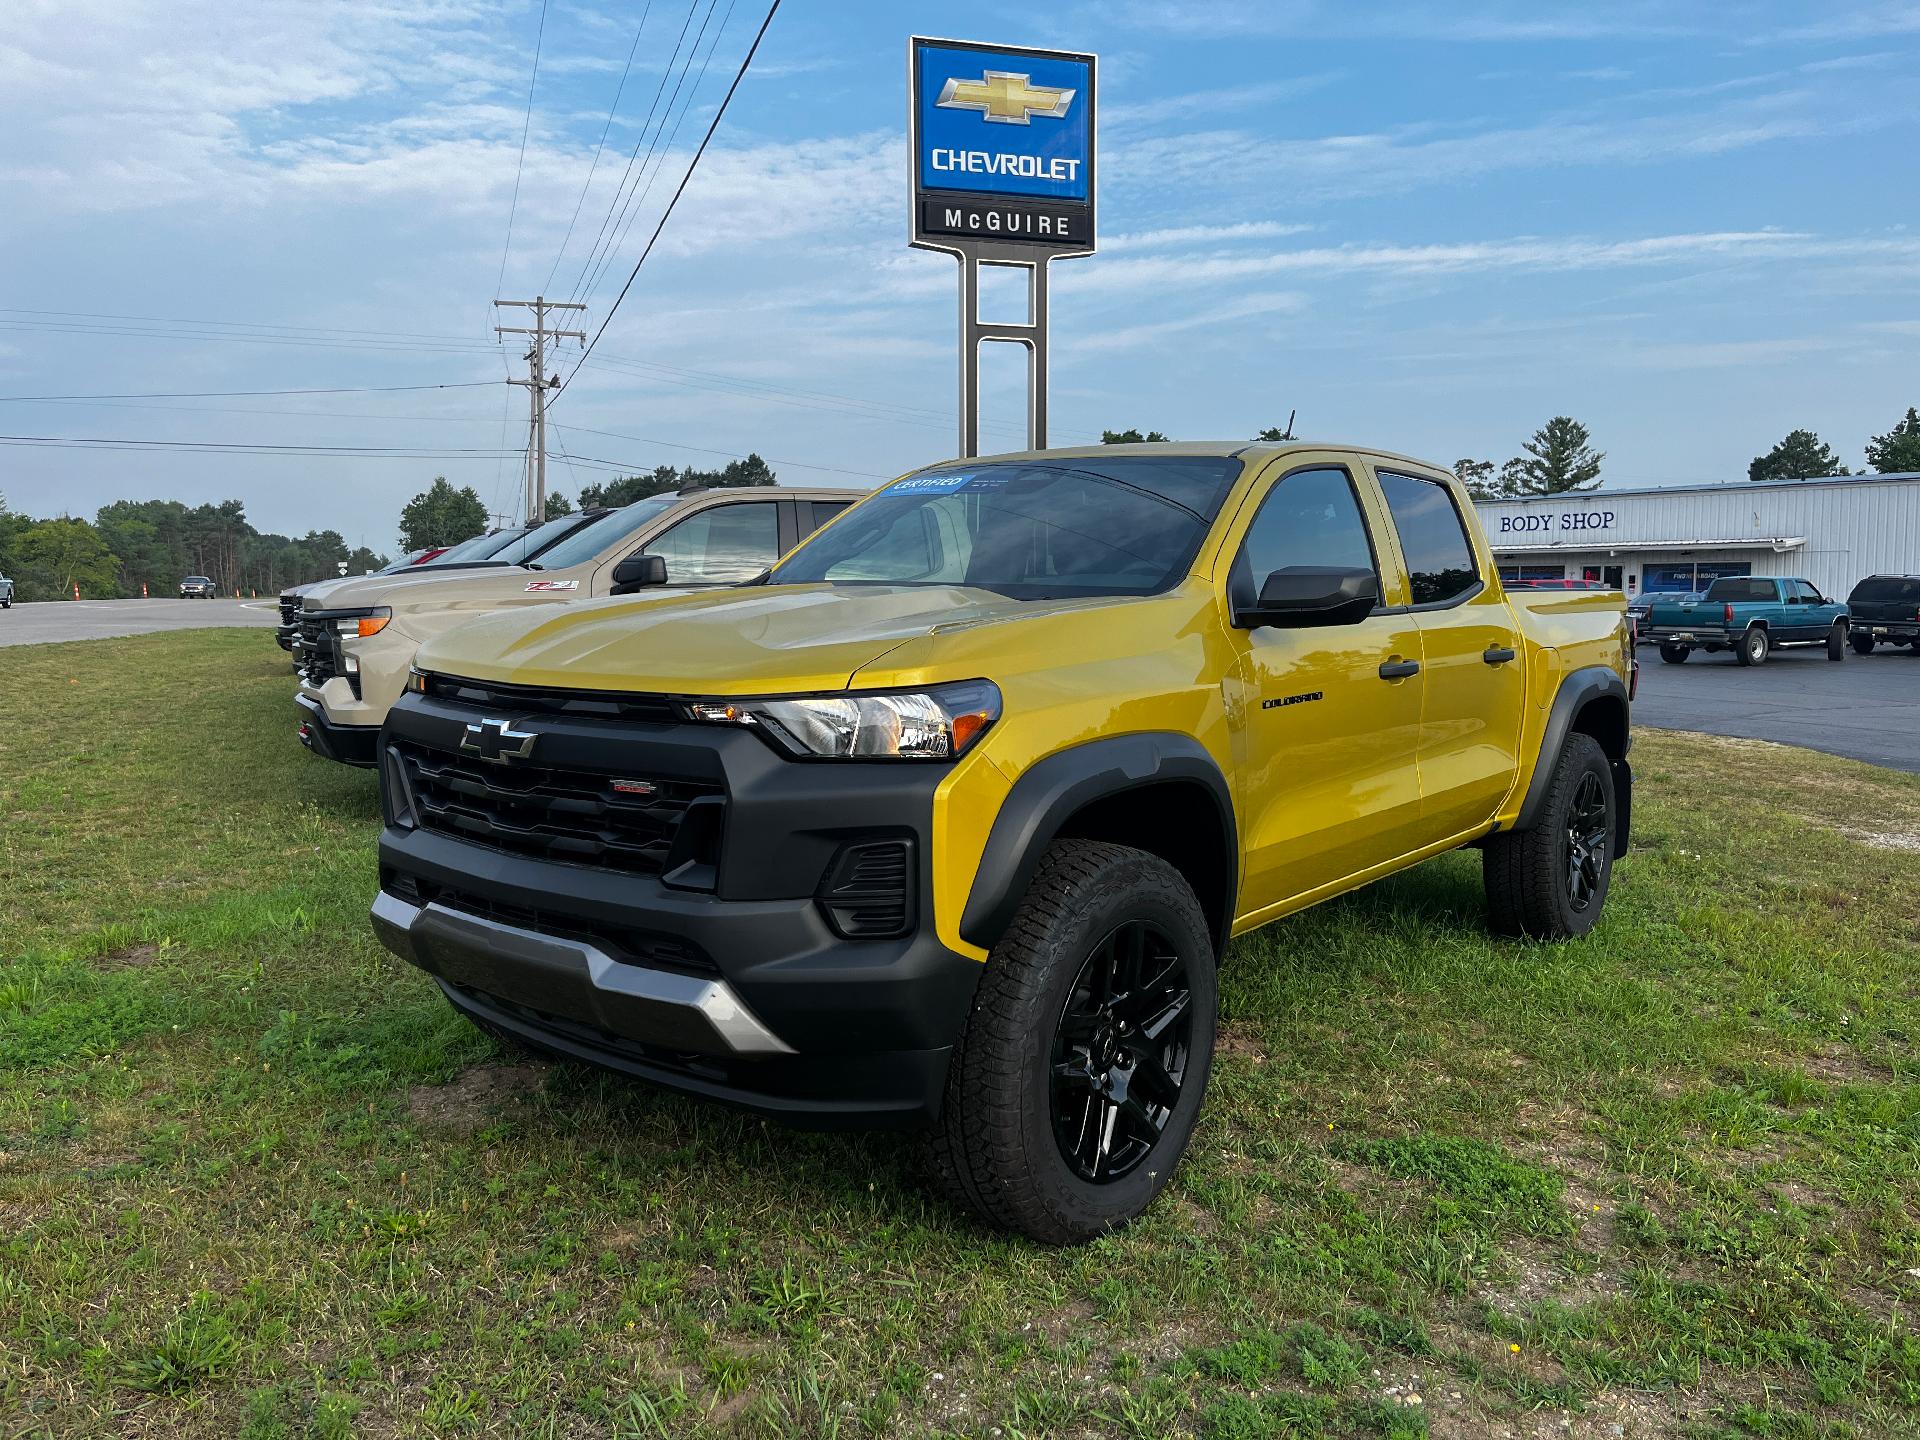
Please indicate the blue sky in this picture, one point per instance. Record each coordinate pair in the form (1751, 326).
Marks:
(1428, 226)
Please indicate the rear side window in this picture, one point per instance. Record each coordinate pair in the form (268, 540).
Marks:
(1433, 537)
(1309, 518)
(823, 511)
(1735, 591)
(1886, 589)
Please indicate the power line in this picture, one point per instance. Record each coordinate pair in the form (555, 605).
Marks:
(525, 125)
(719, 115)
(635, 205)
(237, 394)
(618, 91)
(709, 450)
(593, 251)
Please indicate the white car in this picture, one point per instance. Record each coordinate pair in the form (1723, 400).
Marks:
(6, 593)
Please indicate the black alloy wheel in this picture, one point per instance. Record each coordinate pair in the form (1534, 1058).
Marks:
(1588, 827)
(1120, 1052)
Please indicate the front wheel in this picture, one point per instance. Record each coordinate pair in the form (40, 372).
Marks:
(1675, 654)
(1862, 644)
(1075, 1086)
(1753, 646)
(1549, 882)
(1837, 642)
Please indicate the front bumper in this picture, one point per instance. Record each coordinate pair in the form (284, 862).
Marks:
(725, 976)
(349, 744)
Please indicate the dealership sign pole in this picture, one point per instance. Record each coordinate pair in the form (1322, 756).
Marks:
(1002, 159)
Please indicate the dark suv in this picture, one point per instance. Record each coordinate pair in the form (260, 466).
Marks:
(1885, 609)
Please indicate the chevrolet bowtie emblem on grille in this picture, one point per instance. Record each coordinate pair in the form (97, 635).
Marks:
(1004, 98)
(497, 742)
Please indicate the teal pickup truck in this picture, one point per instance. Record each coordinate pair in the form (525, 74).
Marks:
(1749, 615)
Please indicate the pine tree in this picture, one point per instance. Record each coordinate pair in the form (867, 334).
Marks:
(1898, 451)
(1559, 460)
(1801, 456)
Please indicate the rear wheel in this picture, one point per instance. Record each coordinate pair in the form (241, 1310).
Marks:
(1753, 646)
(1550, 882)
(1675, 654)
(1837, 642)
(1076, 1083)
(1862, 644)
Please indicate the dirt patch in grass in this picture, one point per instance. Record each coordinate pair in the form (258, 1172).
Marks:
(129, 957)
(474, 1097)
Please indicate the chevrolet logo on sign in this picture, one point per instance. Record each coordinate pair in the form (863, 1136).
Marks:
(1004, 98)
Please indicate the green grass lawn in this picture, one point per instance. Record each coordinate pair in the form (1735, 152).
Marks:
(257, 1180)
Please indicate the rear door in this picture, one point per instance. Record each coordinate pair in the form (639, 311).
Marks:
(1475, 691)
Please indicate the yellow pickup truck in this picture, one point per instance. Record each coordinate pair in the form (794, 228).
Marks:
(947, 821)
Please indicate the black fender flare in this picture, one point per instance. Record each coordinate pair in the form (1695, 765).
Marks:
(1052, 791)
(1578, 690)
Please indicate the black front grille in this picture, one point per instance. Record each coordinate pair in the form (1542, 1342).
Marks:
(528, 701)
(313, 651)
(586, 817)
(868, 894)
(623, 942)
(289, 609)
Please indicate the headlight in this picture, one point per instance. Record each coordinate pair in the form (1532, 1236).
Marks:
(934, 724)
(364, 623)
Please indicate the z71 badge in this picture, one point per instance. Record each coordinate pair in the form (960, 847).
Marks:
(544, 587)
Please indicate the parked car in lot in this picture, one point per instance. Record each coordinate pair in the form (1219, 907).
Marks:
(948, 821)
(357, 640)
(290, 598)
(198, 587)
(1750, 615)
(1884, 610)
(1641, 606)
(6, 593)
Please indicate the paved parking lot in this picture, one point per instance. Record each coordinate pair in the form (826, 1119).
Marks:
(1867, 708)
(97, 619)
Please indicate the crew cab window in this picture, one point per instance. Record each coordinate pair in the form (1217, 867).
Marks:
(1735, 591)
(1433, 538)
(721, 545)
(1310, 518)
(823, 511)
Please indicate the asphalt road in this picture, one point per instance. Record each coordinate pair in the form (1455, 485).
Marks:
(1866, 708)
(96, 619)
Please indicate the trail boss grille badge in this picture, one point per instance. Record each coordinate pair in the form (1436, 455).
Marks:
(497, 742)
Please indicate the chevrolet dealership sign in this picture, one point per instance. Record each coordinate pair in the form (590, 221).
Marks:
(1002, 145)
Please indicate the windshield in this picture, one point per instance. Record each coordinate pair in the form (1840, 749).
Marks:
(480, 547)
(1880, 589)
(534, 541)
(610, 529)
(1030, 530)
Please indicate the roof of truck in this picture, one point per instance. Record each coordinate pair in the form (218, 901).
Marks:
(1249, 449)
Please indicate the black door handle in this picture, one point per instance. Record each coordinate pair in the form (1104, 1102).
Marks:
(1497, 654)
(1399, 669)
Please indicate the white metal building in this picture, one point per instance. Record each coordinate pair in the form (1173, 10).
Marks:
(1832, 532)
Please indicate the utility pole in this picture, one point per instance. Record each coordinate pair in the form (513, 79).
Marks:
(538, 383)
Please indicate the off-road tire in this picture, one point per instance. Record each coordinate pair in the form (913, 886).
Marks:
(1528, 893)
(1753, 647)
(1862, 644)
(1675, 654)
(1837, 642)
(993, 1151)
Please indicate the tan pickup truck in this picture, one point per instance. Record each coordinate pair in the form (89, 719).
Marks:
(358, 638)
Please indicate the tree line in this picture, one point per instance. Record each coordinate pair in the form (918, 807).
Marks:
(1559, 458)
(155, 543)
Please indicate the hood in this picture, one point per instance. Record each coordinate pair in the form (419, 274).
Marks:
(504, 581)
(749, 641)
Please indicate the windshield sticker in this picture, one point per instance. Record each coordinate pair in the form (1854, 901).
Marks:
(544, 587)
(944, 484)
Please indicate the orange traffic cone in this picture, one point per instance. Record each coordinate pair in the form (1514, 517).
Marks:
(76, 589)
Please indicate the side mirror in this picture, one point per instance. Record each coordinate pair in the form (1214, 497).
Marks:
(636, 572)
(1304, 596)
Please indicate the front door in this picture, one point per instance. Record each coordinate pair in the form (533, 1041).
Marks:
(1328, 779)
(1475, 692)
